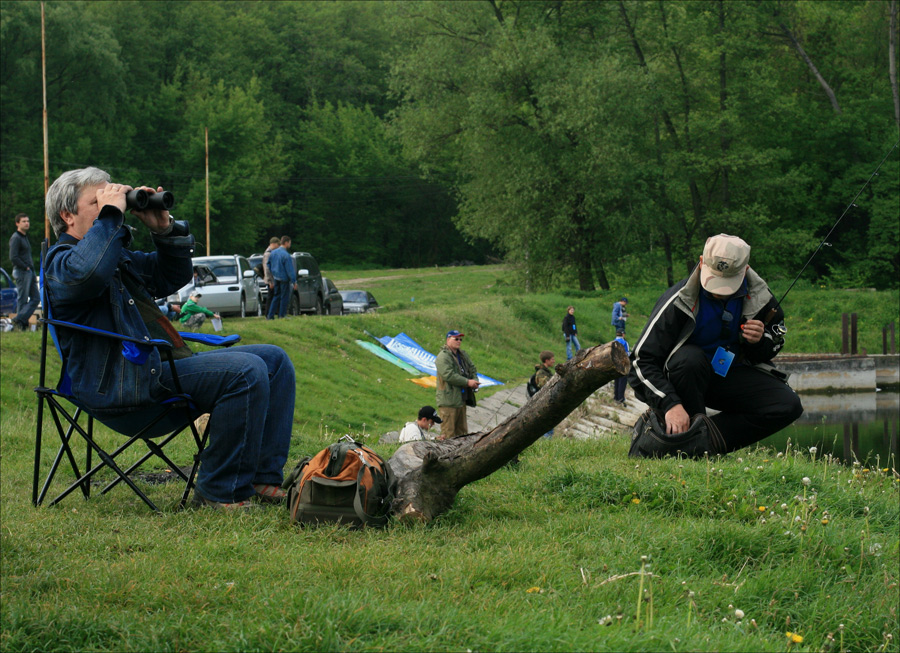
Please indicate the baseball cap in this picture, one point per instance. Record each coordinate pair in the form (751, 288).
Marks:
(196, 294)
(623, 299)
(725, 260)
(454, 332)
(430, 413)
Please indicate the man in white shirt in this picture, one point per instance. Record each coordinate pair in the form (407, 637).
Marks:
(415, 431)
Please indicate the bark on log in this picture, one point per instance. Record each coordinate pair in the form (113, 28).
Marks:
(430, 474)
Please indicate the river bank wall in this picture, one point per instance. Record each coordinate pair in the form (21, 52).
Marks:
(826, 373)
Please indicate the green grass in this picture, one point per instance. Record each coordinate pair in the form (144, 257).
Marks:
(530, 558)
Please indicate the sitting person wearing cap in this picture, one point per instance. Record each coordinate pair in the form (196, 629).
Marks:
(709, 343)
(416, 431)
(457, 379)
(193, 314)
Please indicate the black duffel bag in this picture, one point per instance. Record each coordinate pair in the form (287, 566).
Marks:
(650, 439)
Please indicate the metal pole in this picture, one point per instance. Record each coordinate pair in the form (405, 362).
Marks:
(206, 140)
(845, 346)
(46, 148)
(853, 334)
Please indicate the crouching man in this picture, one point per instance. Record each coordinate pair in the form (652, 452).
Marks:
(709, 343)
(94, 279)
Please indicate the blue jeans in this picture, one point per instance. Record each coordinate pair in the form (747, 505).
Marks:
(281, 299)
(249, 393)
(28, 294)
(571, 342)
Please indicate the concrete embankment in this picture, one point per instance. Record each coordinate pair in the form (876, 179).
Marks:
(836, 373)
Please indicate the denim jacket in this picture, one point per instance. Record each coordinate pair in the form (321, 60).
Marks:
(83, 279)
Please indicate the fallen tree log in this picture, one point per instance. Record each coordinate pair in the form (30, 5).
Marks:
(431, 473)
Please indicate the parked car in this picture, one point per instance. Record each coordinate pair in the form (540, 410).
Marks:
(358, 301)
(334, 303)
(8, 294)
(310, 296)
(228, 285)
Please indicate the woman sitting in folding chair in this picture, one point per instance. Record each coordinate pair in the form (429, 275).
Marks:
(91, 278)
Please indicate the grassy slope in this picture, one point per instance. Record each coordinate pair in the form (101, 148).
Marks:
(528, 558)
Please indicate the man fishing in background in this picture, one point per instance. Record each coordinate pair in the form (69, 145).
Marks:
(709, 344)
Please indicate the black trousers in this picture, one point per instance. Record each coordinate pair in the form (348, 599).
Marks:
(753, 404)
(619, 388)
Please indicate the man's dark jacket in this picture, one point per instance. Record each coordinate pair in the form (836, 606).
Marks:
(86, 282)
(671, 325)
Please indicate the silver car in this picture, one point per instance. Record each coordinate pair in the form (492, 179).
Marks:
(228, 285)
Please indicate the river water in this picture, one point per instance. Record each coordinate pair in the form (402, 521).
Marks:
(857, 426)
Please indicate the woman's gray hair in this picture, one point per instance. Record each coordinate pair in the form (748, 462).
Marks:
(65, 191)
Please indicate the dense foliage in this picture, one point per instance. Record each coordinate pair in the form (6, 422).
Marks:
(589, 142)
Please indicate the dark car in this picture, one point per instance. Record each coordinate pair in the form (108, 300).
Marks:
(310, 296)
(358, 301)
(8, 294)
(334, 303)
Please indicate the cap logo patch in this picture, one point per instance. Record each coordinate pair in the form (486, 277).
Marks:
(721, 266)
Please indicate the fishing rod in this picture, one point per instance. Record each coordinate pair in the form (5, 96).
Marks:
(834, 226)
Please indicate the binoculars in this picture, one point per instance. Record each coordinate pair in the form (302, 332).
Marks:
(141, 200)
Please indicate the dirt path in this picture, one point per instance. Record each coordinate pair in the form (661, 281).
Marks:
(343, 283)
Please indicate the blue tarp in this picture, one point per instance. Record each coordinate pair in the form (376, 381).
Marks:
(408, 350)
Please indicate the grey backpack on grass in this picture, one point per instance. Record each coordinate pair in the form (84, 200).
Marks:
(650, 440)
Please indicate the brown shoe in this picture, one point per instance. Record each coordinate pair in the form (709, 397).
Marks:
(198, 501)
(269, 493)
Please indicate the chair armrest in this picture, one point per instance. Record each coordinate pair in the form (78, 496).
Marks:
(164, 344)
(210, 339)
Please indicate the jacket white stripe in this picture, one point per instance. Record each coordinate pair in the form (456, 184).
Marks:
(637, 348)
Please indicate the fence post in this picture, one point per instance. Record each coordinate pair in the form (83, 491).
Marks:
(884, 349)
(853, 349)
(845, 345)
(893, 342)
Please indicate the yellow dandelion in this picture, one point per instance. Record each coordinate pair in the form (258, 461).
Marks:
(795, 638)
(824, 522)
(762, 508)
(635, 500)
(534, 590)
(866, 470)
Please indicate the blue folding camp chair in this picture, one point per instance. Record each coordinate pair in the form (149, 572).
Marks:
(166, 420)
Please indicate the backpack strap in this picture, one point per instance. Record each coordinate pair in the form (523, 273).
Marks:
(379, 480)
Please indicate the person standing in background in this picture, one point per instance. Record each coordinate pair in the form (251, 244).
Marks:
(23, 273)
(622, 381)
(457, 379)
(285, 274)
(619, 315)
(570, 331)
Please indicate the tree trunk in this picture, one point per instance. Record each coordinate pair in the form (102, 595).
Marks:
(892, 61)
(812, 67)
(430, 474)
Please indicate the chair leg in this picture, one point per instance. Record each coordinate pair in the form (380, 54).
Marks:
(155, 450)
(107, 461)
(65, 436)
(200, 448)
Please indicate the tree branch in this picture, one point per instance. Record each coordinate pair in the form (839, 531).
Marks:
(430, 474)
(815, 71)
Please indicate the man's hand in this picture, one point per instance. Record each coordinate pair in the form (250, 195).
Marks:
(473, 383)
(113, 195)
(677, 420)
(155, 219)
(753, 331)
